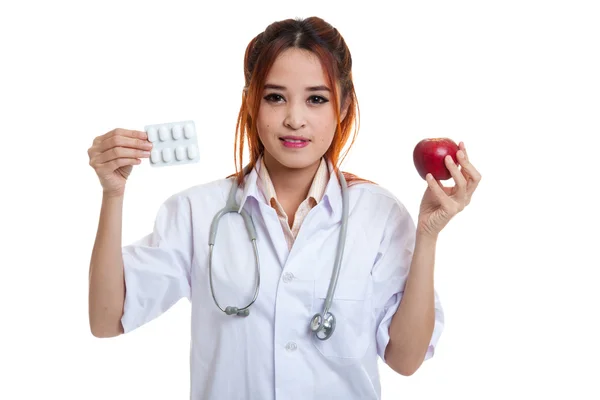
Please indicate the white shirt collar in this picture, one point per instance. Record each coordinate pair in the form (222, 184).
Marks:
(332, 196)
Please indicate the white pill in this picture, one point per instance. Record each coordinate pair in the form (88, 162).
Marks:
(167, 154)
(163, 133)
(152, 134)
(180, 153)
(189, 131)
(192, 152)
(154, 156)
(176, 132)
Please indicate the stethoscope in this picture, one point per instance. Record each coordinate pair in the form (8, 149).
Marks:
(321, 324)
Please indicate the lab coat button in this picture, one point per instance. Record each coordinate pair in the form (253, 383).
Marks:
(291, 346)
(288, 277)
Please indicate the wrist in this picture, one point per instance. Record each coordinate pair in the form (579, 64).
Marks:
(112, 197)
(424, 235)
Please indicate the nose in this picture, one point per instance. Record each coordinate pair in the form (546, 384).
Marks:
(295, 117)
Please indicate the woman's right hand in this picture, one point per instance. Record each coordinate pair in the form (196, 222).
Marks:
(113, 156)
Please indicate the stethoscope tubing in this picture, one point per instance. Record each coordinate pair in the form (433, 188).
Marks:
(322, 324)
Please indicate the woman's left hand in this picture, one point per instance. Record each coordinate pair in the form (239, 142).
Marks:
(440, 204)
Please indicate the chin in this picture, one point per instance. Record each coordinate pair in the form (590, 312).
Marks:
(295, 161)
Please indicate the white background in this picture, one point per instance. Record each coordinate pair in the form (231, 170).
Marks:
(517, 270)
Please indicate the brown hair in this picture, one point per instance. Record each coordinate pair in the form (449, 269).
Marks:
(319, 37)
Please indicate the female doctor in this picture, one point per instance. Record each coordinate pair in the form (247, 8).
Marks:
(267, 321)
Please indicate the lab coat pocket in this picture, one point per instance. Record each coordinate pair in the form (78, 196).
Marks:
(351, 307)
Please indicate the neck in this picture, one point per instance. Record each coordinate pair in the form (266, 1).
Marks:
(291, 184)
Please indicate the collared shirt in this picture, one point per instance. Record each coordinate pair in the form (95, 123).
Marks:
(315, 193)
(272, 354)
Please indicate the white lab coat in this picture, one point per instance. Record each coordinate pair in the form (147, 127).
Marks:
(271, 354)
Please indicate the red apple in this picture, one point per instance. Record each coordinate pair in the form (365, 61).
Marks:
(429, 155)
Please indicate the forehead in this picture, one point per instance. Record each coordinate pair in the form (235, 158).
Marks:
(297, 68)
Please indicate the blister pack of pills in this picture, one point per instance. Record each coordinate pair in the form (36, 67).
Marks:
(173, 143)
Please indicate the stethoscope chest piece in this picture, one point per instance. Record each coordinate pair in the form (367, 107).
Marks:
(323, 327)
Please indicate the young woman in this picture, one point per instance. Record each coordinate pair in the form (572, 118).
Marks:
(262, 323)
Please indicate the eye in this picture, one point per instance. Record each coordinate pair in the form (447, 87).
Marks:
(273, 98)
(319, 99)
(277, 98)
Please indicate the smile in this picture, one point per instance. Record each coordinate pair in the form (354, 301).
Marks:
(294, 141)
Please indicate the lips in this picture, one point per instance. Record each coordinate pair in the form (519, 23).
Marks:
(294, 142)
(294, 139)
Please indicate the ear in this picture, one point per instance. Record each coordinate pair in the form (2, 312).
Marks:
(345, 109)
(247, 102)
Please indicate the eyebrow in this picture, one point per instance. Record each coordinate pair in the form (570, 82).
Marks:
(310, 88)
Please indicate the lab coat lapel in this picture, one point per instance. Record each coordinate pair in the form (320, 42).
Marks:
(275, 232)
(333, 195)
(328, 212)
(267, 215)
(324, 214)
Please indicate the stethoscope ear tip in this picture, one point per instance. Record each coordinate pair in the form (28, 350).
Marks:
(229, 310)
